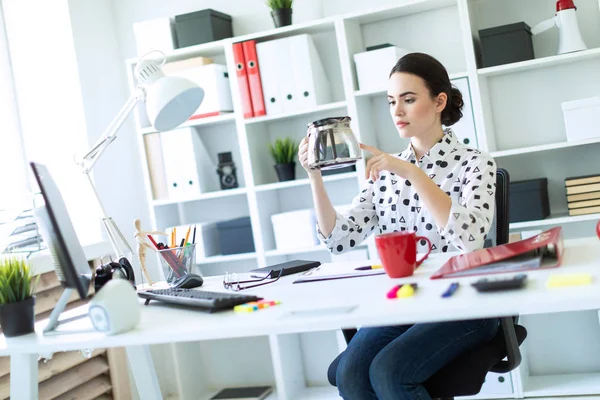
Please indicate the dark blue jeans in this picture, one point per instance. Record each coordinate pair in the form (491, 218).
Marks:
(392, 362)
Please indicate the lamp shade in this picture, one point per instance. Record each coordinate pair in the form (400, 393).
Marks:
(171, 100)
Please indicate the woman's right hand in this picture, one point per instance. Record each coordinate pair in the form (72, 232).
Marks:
(303, 157)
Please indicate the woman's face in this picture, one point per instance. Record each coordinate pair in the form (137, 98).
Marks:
(414, 111)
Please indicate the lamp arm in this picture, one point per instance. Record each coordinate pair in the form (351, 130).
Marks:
(110, 134)
(88, 161)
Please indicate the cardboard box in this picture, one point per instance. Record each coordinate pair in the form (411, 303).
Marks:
(373, 67)
(581, 118)
(295, 229)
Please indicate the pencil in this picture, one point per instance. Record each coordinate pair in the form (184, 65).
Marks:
(187, 236)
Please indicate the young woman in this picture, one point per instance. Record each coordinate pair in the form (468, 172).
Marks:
(437, 187)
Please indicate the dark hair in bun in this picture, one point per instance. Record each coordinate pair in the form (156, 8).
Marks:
(437, 81)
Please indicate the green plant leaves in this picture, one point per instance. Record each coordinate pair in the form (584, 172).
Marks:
(283, 151)
(277, 4)
(16, 280)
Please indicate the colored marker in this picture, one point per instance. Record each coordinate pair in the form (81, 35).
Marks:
(451, 289)
(368, 267)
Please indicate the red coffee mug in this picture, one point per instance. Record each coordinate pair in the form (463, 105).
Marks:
(398, 253)
(598, 229)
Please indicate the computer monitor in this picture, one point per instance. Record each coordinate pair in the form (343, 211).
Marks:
(70, 263)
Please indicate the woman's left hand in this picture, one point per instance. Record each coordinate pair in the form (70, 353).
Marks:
(384, 162)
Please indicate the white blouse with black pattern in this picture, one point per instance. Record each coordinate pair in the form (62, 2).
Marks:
(391, 204)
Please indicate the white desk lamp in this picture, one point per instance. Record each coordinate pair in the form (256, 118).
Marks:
(170, 101)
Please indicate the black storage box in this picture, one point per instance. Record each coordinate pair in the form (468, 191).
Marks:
(506, 44)
(202, 27)
(528, 200)
(236, 236)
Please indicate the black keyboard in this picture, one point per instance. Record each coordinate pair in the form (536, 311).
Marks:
(202, 299)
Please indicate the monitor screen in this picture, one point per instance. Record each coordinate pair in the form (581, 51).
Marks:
(70, 263)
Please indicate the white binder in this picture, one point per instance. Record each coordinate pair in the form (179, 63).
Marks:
(292, 75)
(312, 87)
(465, 129)
(189, 170)
(268, 64)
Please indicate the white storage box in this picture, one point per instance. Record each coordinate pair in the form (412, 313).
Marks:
(214, 80)
(207, 238)
(154, 34)
(373, 67)
(295, 229)
(581, 118)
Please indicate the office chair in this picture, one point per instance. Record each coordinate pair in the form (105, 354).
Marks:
(465, 375)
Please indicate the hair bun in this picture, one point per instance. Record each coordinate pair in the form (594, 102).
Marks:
(453, 111)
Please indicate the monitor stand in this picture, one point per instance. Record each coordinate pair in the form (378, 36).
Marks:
(68, 325)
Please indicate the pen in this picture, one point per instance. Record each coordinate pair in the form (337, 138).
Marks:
(368, 267)
(194, 237)
(451, 289)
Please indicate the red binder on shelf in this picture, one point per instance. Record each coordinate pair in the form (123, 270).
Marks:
(242, 77)
(537, 252)
(253, 68)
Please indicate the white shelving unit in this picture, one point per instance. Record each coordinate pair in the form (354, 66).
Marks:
(517, 117)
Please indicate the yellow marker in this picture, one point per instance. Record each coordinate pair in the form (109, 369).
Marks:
(568, 280)
(406, 290)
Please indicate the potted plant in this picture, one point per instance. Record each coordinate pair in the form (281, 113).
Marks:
(17, 301)
(283, 152)
(281, 12)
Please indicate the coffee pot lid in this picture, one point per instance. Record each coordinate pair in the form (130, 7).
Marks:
(329, 121)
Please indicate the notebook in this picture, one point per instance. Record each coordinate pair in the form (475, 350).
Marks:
(243, 393)
(286, 268)
(541, 251)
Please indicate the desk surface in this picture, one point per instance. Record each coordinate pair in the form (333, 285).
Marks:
(331, 305)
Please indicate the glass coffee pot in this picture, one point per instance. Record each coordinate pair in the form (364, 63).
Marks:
(332, 144)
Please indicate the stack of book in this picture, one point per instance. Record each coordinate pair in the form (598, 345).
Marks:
(583, 194)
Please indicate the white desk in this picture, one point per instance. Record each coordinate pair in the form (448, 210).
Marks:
(317, 306)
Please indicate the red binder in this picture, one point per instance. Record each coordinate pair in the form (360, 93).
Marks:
(253, 68)
(242, 76)
(537, 252)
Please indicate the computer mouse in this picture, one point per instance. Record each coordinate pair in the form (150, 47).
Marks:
(188, 281)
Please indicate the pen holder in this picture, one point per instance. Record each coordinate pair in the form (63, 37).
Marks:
(177, 261)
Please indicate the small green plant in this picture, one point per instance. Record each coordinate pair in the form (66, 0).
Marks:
(16, 280)
(283, 150)
(277, 4)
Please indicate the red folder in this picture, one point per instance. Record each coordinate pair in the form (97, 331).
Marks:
(242, 76)
(253, 68)
(537, 252)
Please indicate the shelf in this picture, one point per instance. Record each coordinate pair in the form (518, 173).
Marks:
(557, 219)
(561, 385)
(210, 49)
(305, 181)
(382, 93)
(268, 118)
(203, 196)
(543, 147)
(412, 7)
(550, 61)
(312, 393)
(216, 120)
(311, 28)
(227, 258)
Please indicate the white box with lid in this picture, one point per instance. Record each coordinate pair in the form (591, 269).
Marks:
(373, 67)
(581, 118)
(295, 229)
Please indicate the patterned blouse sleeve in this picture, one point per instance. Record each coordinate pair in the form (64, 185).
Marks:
(355, 225)
(471, 217)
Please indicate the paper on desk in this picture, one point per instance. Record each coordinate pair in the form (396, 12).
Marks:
(329, 271)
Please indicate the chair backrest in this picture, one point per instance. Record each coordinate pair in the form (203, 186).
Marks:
(498, 233)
